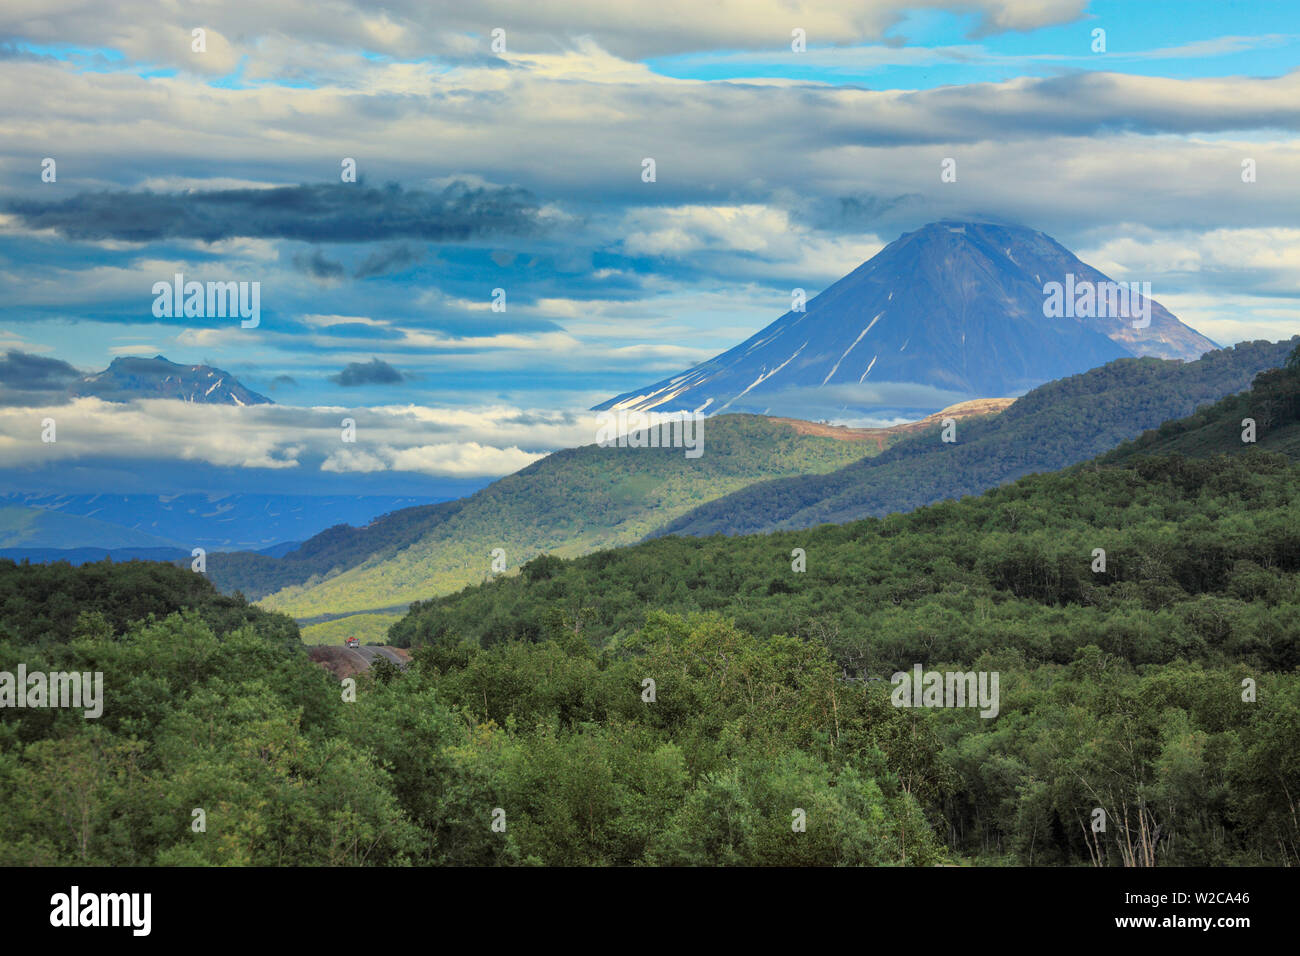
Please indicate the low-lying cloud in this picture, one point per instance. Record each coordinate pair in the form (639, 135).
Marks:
(447, 442)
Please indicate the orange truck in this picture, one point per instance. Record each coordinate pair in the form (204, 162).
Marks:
(354, 642)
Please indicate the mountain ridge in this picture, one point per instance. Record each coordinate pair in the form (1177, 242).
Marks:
(1055, 425)
(129, 377)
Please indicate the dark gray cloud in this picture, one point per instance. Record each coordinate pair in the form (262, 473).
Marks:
(27, 379)
(11, 51)
(24, 370)
(388, 259)
(374, 372)
(317, 266)
(855, 213)
(312, 212)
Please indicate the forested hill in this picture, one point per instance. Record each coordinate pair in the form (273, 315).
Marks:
(571, 502)
(1272, 404)
(43, 604)
(1184, 538)
(343, 546)
(1059, 424)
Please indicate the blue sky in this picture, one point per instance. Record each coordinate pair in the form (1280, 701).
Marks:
(1152, 38)
(521, 170)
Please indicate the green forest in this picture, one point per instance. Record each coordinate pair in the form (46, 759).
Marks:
(213, 712)
(1121, 689)
(721, 701)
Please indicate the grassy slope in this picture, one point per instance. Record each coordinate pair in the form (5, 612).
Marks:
(365, 627)
(570, 503)
(1053, 426)
(330, 552)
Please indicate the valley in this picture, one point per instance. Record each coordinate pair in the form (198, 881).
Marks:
(571, 503)
(354, 581)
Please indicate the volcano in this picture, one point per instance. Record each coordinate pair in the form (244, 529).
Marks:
(951, 312)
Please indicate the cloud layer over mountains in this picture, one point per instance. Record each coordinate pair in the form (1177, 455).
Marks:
(518, 166)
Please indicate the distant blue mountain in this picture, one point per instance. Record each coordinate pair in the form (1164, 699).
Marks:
(950, 312)
(43, 528)
(238, 521)
(79, 556)
(129, 377)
